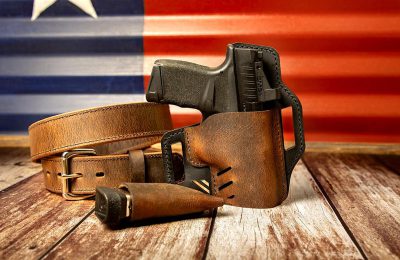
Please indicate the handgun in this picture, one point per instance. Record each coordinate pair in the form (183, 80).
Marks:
(247, 80)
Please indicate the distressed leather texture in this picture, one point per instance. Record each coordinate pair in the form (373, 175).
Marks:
(245, 152)
(120, 134)
(152, 200)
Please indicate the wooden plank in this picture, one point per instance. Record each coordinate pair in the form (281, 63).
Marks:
(33, 219)
(391, 161)
(367, 196)
(304, 226)
(15, 165)
(178, 238)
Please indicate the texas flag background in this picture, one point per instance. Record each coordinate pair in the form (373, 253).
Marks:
(342, 58)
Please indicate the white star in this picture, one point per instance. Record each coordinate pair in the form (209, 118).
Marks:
(39, 6)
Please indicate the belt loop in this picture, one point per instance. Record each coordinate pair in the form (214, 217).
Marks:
(137, 163)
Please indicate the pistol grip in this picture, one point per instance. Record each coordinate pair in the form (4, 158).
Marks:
(186, 84)
(178, 83)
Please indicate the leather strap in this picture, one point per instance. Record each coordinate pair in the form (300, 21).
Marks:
(117, 133)
(137, 162)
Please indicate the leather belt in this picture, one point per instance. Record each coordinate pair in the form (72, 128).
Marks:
(102, 146)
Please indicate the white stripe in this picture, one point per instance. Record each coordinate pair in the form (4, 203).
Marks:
(55, 104)
(65, 27)
(67, 65)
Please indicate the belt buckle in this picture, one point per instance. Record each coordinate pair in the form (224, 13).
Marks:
(66, 175)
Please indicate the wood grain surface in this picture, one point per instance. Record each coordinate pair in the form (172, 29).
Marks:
(304, 226)
(391, 161)
(174, 239)
(367, 196)
(15, 166)
(339, 206)
(32, 219)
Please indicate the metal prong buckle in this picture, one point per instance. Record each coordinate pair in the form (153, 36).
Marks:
(66, 175)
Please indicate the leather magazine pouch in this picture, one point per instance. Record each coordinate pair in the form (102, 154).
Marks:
(153, 200)
(245, 153)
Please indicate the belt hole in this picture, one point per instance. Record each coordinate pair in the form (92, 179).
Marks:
(99, 174)
(47, 172)
(59, 174)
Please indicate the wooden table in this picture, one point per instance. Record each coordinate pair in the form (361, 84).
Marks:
(339, 206)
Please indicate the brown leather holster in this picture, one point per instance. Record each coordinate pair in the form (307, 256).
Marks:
(139, 201)
(240, 138)
(245, 153)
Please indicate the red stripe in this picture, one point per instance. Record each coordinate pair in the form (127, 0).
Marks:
(287, 32)
(342, 58)
(187, 7)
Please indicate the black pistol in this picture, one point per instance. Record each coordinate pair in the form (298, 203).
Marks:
(247, 80)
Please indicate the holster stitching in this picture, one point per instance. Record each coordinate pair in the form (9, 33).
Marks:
(190, 157)
(167, 158)
(279, 152)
